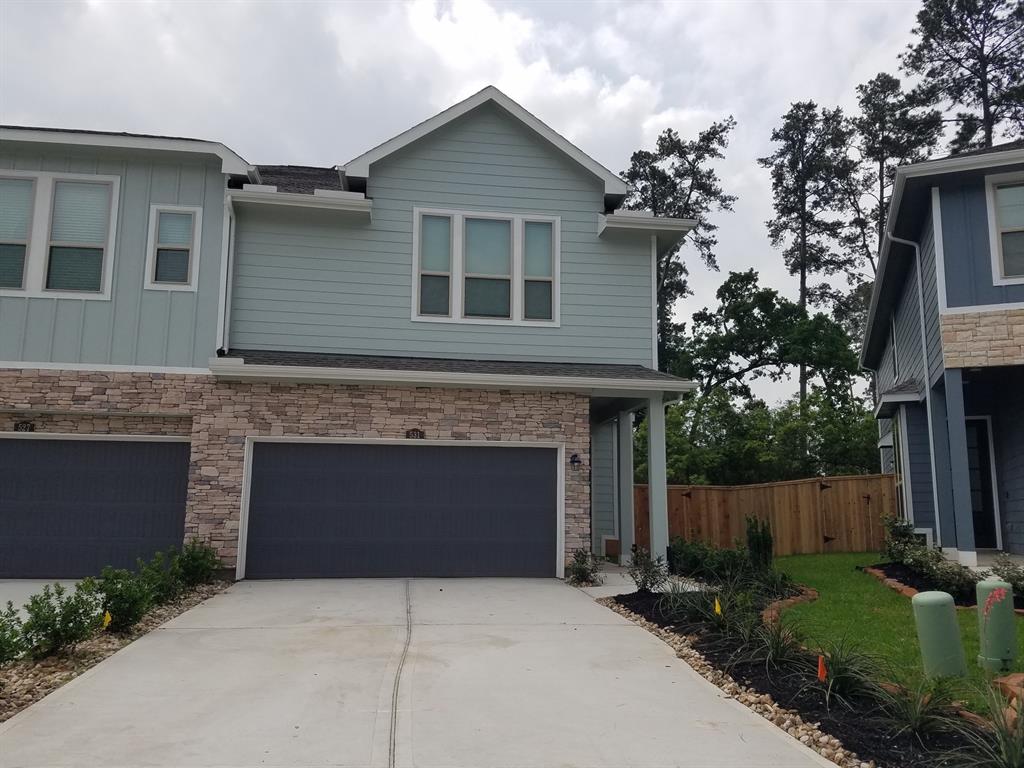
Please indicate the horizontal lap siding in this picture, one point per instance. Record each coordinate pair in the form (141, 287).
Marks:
(320, 284)
(135, 327)
(933, 336)
(908, 332)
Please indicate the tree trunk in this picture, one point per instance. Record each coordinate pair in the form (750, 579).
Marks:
(881, 204)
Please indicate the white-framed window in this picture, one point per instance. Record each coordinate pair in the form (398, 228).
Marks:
(1005, 194)
(172, 252)
(57, 233)
(17, 197)
(482, 267)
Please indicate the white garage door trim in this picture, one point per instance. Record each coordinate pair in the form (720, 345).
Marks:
(94, 436)
(251, 440)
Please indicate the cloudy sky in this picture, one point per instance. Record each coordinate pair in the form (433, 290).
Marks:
(320, 82)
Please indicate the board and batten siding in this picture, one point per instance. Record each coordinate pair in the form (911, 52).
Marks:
(967, 257)
(321, 283)
(135, 327)
(602, 481)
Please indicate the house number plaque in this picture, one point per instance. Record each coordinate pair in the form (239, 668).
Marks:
(415, 434)
(24, 426)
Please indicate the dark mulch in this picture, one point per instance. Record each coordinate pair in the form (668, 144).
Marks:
(861, 728)
(920, 582)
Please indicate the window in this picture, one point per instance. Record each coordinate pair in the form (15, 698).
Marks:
(485, 268)
(172, 256)
(78, 236)
(57, 233)
(435, 266)
(16, 200)
(1009, 229)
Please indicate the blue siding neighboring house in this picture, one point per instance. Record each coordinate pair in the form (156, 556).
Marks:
(945, 340)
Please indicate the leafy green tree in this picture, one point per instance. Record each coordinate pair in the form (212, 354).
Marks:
(970, 55)
(810, 168)
(678, 179)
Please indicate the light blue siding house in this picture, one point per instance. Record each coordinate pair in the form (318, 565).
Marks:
(425, 361)
(945, 340)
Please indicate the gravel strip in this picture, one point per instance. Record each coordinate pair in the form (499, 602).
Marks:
(808, 734)
(25, 682)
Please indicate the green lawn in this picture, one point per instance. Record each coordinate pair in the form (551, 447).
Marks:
(858, 606)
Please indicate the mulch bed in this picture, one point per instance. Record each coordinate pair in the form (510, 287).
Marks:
(898, 572)
(861, 730)
(25, 682)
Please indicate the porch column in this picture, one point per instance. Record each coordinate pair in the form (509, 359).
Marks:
(657, 482)
(625, 469)
(956, 429)
(944, 515)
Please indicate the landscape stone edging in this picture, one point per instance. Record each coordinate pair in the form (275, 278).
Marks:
(771, 614)
(898, 586)
(787, 720)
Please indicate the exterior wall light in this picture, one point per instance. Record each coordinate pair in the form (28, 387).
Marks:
(575, 462)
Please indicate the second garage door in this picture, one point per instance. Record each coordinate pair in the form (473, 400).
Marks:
(353, 510)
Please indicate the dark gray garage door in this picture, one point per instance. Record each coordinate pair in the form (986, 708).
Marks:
(335, 510)
(70, 507)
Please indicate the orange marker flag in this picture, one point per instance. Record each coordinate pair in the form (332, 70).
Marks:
(822, 672)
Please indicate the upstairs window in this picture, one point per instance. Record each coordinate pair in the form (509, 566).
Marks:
(1009, 229)
(172, 257)
(16, 200)
(78, 236)
(486, 268)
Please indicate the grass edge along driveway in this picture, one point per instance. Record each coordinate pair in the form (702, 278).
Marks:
(856, 605)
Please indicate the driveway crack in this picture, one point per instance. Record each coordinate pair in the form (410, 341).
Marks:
(393, 738)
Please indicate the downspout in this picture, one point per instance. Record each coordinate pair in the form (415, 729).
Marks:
(927, 374)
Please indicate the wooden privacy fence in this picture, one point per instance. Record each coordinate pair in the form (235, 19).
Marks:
(827, 514)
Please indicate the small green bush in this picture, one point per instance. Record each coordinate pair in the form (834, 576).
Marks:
(649, 573)
(126, 597)
(760, 544)
(851, 673)
(706, 562)
(1010, 572)
(12, 644)
(57, 620)
(999, 746)
(198, 563)
(682, 603)
(583, 569)
(162, 576)
(924, 710)
(903, 546)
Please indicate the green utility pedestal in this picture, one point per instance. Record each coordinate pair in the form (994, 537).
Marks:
(939, 635)
(997, 625)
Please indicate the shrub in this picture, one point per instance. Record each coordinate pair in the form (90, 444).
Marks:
(999, 746)
(1010, 572)
(700, 560)
(778, 645)
(198, 563)
(649, 573)
(57, 620)
(583, 569)
(903, 546)
(682, 603)
(924, 710)
(126, 597)
(162, 576)
(899, 536)
(760, 545)
(12, 645)
(850, 673)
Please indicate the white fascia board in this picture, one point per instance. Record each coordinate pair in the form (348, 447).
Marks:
(231, 162)
(902, 397)
(359, 167)
(354, 204)
(644, 223)
(234, 368)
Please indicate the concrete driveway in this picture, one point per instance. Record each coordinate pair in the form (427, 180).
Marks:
(524, 673)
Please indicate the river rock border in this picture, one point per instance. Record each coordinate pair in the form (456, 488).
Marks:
(808, 734)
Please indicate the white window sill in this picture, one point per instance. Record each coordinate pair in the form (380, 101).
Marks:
(170, 287)
(55, 294)
(487, 321)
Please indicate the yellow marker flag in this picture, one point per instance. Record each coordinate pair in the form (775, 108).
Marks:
(106, 619)
(718, 607)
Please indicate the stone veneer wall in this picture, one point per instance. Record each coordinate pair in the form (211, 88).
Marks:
(220, 415)
(978, 339)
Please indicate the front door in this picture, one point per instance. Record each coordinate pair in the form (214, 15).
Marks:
(979, 464)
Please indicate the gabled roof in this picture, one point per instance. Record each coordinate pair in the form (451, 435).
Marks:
(360, 166)
(231, 162)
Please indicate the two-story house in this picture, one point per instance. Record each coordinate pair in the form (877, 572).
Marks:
(422, 362)
(945, 339)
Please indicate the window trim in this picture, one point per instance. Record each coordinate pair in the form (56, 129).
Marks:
(458, 275)
(5, 174)
(194, 251)
(992, 182)
(37, 255)
(420, 272)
